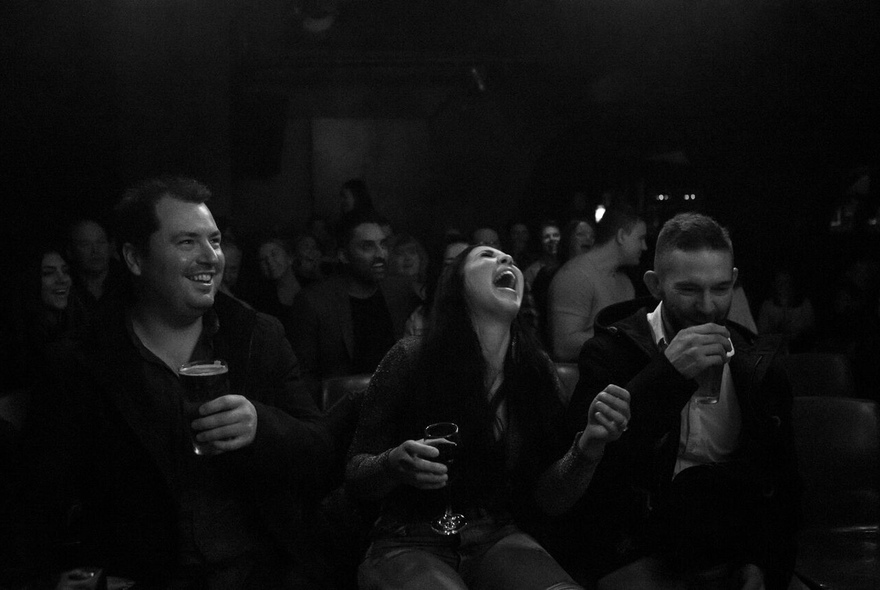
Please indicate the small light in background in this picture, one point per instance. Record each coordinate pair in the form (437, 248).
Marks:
(600, 212)
(479, 79)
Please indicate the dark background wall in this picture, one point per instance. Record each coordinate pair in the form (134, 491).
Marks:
(457, 113)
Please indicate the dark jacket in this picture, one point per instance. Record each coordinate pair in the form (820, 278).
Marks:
(89, 440)
(323, 334)
(636, 470)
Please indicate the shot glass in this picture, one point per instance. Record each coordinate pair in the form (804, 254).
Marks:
(710, 382)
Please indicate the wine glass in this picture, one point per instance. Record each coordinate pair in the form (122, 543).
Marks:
(450, 522)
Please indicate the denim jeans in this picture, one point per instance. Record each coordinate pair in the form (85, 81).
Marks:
(487, 555)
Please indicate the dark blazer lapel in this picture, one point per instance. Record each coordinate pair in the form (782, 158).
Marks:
(750, 364)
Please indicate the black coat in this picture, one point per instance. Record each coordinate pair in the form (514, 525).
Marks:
(636, 471)
(89, 440)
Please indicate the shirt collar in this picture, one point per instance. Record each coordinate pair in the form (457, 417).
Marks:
(210, 327)
(655, 321)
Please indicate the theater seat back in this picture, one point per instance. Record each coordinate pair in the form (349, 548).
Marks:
(819, 374)
(838, 447)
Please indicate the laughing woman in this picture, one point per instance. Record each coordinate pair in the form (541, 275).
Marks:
(41, 325)
(43, 322)
(476, 367)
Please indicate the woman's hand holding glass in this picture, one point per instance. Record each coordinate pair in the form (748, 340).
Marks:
(415, 463)
(608, 419)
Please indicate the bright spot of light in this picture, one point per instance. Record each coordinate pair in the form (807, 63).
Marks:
(600, 213)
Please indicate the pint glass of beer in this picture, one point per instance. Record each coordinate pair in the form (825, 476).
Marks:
(202, 381)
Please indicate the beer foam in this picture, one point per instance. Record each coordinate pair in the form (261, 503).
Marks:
(204, 370)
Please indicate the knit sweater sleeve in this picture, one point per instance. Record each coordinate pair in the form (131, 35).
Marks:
(367, 475)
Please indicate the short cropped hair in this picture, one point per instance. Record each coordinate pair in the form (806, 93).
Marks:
(351, 220)
(135, 218)
(620, 217)
(691, 232)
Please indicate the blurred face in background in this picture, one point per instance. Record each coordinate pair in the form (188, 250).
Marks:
(90, 248)
(583, 238)
(274, 260)
(307, 256)
(233, 265)
(405, 260)
(550, 237)
(55, 281)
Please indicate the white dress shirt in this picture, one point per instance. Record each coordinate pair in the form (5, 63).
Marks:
(709, 432)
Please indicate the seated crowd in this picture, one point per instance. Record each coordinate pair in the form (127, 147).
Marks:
(670, 465)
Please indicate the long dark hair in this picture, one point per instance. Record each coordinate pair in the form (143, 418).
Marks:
(449, 380)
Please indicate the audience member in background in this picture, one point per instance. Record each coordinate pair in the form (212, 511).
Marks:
(519, 244)
(690, 488)
(42, 325)
(586, 284)
(487, 236)
(788, 311)
(477, 368)
(535, 303)
(578, 236)
(275, 256)
(409, 259)
(319, 226)
(307, 260)
(345, 324)
(453, 245)
(113, 432)
(96, 274)
(550, 236)
(232, 269)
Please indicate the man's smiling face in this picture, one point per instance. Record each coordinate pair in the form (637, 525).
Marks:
(181, 270)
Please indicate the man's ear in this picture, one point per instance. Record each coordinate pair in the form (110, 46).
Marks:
(621, 235)
(342, 256)
(132, 259)
(652, 282)
(735, 274)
